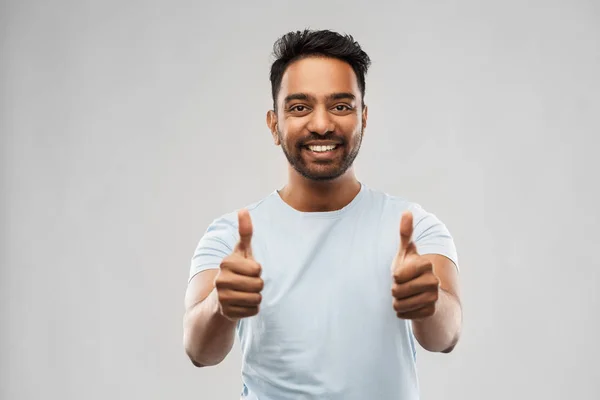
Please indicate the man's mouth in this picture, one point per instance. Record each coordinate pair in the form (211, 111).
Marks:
(323, 152)
(322, 148)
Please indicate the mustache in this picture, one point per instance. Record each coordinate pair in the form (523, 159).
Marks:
(315, 137)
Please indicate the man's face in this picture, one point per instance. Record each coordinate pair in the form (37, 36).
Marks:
(320, 118)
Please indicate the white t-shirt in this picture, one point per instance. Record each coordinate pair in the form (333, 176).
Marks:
(326, 328)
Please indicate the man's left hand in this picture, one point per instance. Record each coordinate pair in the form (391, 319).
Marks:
(415, 287)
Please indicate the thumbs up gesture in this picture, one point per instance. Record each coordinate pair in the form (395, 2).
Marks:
(415, 287)
(238, 282)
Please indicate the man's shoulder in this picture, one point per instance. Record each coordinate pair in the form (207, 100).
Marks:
(387, 201)
(391, 206)
(256, 209)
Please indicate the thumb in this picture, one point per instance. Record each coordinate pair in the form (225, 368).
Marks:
(245, 231)
(406, 231)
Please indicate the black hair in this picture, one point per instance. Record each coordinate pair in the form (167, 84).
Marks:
(300, 44)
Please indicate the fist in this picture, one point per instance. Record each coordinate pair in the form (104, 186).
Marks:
(238, 283)
(415, 287)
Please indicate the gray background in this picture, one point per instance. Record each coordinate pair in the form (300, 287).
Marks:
(127, 126)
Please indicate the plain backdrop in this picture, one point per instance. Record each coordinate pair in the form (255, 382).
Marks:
(128, 126)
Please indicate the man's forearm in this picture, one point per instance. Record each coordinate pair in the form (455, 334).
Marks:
(208, 336)
(441, 331)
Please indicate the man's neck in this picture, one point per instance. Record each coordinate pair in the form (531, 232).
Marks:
(306, 195)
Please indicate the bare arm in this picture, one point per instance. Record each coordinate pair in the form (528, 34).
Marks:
(426, 291)
(441, 331)
(217, 298)
(207, 335)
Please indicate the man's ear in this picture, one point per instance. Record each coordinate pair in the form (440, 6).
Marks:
(365, 114)
(272, 124)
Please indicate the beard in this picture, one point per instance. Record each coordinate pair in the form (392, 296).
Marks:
(321, 171)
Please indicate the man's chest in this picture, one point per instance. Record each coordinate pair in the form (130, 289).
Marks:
(325, 267)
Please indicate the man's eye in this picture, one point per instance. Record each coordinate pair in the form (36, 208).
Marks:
(342, 107)
(298, 108)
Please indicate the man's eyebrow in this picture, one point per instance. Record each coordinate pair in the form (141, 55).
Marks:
(341, 96)
(306, 97)
(297, 96)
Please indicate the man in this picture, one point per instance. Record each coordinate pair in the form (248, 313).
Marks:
(327, 281)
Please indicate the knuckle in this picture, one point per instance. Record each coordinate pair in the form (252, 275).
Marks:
(226, 260)
(219, 280)
(399, 292)
(257, 268)
(423, 265)
(223, 297)
(226, 263)
(430, 281)
(222, 279)
(253, 299)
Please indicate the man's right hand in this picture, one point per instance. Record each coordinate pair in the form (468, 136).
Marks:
(238, 281)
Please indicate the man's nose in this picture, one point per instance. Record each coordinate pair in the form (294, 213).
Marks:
(321, 122)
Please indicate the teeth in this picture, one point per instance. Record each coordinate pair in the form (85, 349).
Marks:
(320, 149)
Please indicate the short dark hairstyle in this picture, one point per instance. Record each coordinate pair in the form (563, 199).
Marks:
(300, 44)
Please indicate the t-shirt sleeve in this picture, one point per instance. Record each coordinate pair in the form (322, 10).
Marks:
(431, 235)
(217, 243)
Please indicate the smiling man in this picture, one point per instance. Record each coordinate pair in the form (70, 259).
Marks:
(329, 284)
